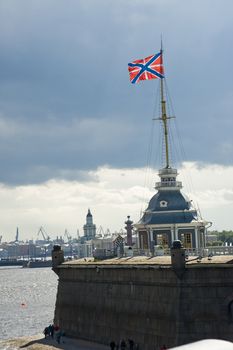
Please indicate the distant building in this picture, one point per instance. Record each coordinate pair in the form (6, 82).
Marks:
(89, 228)
(211, 237)
(3, 253)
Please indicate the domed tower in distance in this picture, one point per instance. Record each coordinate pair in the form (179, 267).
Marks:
(89, 228)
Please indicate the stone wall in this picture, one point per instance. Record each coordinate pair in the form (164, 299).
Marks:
(148, 304)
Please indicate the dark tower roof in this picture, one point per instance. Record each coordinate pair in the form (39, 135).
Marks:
(169, 200)
(169, 205)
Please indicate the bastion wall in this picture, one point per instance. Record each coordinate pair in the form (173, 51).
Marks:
(150, 304)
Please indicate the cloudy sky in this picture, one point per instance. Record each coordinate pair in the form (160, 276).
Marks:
(75, 134)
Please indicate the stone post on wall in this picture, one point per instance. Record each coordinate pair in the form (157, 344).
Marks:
(178, 258)
(129, 228)
(57, 257)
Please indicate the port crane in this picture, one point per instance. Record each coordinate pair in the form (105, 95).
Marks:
(100, 232)
(43, 233)
(107, 233)
(67, 235)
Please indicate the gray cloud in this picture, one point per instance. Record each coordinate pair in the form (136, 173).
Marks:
(66, 104)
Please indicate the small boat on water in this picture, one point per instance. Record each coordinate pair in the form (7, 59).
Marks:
(39, 263)
(12, 262)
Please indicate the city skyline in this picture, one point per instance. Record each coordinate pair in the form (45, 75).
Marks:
(74, 132)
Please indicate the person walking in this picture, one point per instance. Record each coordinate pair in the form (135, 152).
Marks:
(58, 336)
(131, 344)
(51, 330)
(46, 332)
(112, 345)
(123, 345)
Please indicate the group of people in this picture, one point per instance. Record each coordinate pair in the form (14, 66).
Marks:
(53, 332)
(123, 345)
(131, 345)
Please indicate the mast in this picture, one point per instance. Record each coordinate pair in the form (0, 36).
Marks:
(164, 117)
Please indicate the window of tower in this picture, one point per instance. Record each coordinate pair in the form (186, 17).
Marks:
(168, 181)
(163, 204)
(186, 239)
(162, 239)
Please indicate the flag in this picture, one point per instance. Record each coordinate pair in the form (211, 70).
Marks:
(148, 68)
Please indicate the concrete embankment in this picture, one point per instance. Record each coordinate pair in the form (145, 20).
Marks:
(38, 342)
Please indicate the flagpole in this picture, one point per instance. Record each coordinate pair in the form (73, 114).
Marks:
(164, 117)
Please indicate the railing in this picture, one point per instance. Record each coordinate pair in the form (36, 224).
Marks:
(168, 184)
(169, 171)
(203, 252)
(147, 252)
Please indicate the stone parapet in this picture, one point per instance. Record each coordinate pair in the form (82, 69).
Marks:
(148, 303)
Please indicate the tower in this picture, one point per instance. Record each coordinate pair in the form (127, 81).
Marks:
(170, 215)
(129, 228)
(89, 228)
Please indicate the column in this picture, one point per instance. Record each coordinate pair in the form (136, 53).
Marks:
(173, 230)
(176, 233)
(196, 238)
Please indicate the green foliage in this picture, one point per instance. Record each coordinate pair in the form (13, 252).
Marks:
(217, 243)
(223, 236)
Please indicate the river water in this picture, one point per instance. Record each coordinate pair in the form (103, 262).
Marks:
(27, 300)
